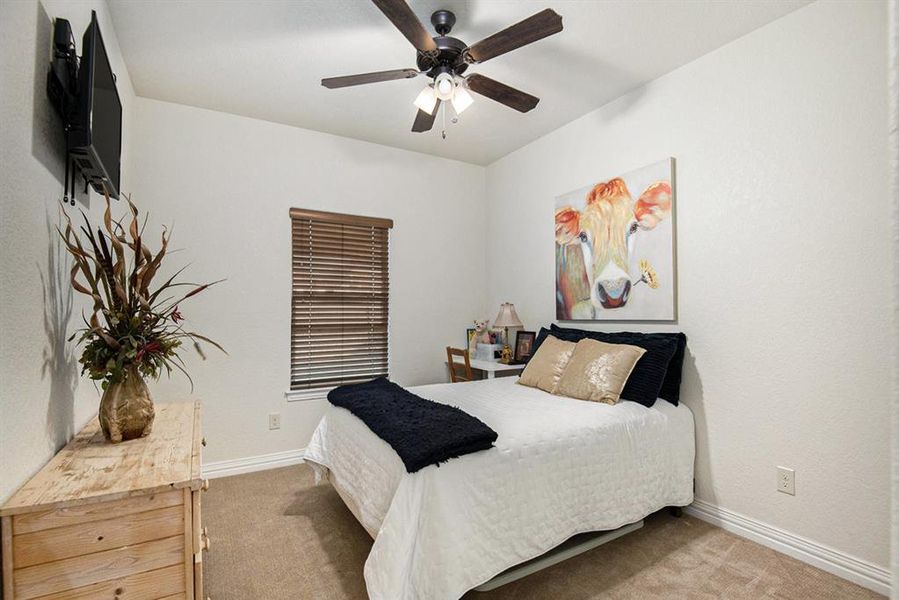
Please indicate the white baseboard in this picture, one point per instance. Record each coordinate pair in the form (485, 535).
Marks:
(226, 468)
(842, 565)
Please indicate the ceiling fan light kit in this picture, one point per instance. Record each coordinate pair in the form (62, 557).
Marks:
(444, 59)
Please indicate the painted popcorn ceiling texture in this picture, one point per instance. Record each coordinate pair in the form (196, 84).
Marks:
(265, 60)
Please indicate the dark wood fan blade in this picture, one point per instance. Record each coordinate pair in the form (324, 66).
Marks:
(536, 27)
(362, 78)
(405, 20)
(502, 93)
(424, 121)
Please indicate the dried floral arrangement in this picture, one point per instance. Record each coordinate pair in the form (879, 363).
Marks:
(134, 324)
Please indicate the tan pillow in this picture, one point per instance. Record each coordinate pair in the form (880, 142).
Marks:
(598, 371)
(547, 365)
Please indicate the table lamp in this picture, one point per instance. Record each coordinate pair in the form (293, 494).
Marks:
(506, 318)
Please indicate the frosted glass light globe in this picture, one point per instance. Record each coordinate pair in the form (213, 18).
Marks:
(426, 100)
(444, 86)
(461, 99)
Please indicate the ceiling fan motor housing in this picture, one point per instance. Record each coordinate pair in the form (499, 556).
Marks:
(450, 50)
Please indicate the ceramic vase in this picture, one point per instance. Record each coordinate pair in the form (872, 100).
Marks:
(126, 409)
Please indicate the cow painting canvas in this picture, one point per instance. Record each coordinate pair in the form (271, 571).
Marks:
(615, 248)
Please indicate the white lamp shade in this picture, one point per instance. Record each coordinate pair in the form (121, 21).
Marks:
(461, 100)
(426, 100)
(507, 316)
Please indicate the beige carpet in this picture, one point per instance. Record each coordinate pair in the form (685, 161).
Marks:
(277, 536)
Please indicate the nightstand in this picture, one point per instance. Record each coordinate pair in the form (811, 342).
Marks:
(490, 368)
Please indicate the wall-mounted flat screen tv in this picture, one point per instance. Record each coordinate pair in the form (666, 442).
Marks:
(95, 138)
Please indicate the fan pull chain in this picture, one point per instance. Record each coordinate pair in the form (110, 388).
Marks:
(72, 197)
(65, 185)
(443, 108)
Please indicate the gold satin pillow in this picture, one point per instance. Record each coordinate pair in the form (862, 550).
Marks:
(547, 365)
(597, 371)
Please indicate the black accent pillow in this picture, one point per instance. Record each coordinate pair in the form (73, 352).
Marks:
(539, 340)
(670, 386)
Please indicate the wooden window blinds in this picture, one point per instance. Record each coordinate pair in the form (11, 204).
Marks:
(339, 307)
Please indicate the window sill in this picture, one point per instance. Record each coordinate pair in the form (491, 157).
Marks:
(303, 395)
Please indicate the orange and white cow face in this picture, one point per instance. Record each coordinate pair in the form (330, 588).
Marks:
(606, 231)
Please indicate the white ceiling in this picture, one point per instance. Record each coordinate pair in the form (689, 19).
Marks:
(265, 59)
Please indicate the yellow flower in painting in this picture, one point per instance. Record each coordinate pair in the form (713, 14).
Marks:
(648, 274)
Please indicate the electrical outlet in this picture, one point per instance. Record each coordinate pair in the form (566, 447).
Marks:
(274, 421)
(786, 481)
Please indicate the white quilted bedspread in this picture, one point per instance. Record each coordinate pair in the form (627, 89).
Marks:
(560, 467)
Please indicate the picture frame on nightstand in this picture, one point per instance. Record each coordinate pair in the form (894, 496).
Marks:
(524, 346)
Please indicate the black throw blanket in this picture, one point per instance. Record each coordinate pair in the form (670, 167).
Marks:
(421, 431)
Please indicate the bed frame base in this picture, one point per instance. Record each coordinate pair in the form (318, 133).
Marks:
(568, 549)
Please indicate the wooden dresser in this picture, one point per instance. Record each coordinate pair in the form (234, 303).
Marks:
(112, 521)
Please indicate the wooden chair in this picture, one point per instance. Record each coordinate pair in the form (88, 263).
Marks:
(459, 371)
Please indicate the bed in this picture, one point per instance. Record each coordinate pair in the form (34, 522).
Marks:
(560, 467)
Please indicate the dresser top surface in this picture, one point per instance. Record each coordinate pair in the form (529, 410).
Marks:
(89, 468)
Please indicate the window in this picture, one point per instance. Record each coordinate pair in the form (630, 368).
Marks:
(339, 307)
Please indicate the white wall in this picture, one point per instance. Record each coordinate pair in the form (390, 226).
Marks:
(227, 183)
(894, 153)
(42, 399)
(783, 242)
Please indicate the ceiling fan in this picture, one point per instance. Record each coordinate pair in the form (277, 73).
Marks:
(444, 59)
